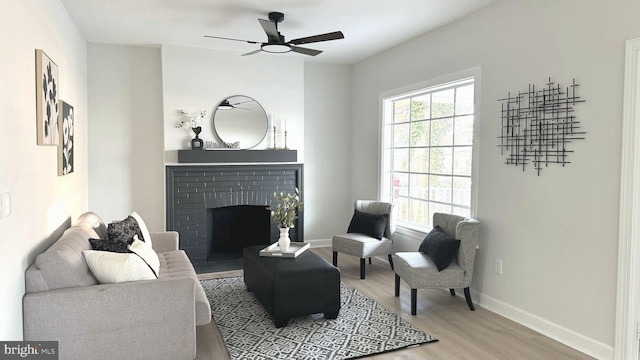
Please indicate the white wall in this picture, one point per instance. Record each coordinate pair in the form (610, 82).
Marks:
(134, 94)
(327, 139)
(43, 202)
(126, 146)
(199, 79)
(557, 232)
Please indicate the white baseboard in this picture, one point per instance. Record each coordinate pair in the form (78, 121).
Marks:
(319, 243)
(561, 334)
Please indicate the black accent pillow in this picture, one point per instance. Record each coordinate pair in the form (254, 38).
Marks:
(368, 224)
(108, 245)
(124, 230)
(441, 247)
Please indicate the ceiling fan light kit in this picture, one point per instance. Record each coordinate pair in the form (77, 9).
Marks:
(276, 48)
(276, 43)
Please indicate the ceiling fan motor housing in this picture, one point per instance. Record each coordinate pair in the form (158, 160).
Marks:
(276, 16)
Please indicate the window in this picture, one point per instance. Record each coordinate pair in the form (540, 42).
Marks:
(427, 152)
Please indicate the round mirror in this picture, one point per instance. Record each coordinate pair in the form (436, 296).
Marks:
(240, 119)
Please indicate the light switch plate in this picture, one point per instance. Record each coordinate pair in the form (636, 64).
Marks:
(497, 266)
(6, 204)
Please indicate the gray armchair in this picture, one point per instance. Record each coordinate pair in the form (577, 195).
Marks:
(364, 246)
(419, 271)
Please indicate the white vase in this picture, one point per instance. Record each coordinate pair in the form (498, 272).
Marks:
(284, 241)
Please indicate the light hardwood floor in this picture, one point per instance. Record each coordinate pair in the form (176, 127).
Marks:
(462, 334)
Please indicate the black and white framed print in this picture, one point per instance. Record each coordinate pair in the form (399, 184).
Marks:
(46, 99)
(65, 149)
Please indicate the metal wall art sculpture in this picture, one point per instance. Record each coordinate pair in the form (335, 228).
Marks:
(537, 125)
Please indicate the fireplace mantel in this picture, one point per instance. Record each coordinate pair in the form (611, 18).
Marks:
(237, 156)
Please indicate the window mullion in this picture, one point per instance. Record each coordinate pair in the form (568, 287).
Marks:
(409, 209)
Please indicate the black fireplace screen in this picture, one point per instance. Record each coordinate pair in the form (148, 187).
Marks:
(232, 228)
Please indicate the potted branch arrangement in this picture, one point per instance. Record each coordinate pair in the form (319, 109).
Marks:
(284, 214)
(192, 120)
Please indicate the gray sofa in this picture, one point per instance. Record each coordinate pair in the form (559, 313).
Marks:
(149, 319)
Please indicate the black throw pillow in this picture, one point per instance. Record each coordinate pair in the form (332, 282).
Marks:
(368, 224)
(441, 247)
(108, 245)
(124, 230)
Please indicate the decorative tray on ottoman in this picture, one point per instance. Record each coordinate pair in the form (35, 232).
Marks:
(295, 249)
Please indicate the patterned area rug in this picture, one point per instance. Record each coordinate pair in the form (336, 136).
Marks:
(362, 328)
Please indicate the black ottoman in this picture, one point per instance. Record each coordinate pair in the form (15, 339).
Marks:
(304, 285)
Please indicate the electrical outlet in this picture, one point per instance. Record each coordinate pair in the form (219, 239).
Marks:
(497, 266)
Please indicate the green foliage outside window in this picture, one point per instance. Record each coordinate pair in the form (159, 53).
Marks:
(431, 140)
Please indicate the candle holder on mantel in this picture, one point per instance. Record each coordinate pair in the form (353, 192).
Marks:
(275, 139)
(275, 144)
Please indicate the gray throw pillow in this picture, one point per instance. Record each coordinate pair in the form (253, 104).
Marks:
(109, 245)
(124, 230)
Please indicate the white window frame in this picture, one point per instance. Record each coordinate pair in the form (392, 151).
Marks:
(428, 85)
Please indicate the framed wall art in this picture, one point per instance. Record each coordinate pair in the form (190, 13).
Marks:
(65, 149)
(46, 99)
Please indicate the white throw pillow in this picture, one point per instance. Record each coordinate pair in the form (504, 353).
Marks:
(109, 267)
(146, 253)
(143, 227)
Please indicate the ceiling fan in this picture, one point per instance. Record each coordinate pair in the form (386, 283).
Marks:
(276, 42)
(227, 105)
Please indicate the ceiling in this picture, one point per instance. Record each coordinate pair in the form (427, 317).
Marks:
(369, 26)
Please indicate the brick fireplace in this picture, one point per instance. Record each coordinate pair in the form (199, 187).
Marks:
(194, 190)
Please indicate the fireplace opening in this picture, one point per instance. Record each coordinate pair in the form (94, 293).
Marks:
(232, 228)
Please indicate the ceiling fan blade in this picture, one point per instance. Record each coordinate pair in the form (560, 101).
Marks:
(242, 102)
(271, 29)
(318, 38)
(253, 52)
(225, 38)
(306, 51)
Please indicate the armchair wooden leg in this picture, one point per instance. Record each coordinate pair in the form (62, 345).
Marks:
(362, 263)
(414, 299)
(391, 261)
(453, 292)
(397, 292)
(369, 261)
(467, 296)
(335, 258)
